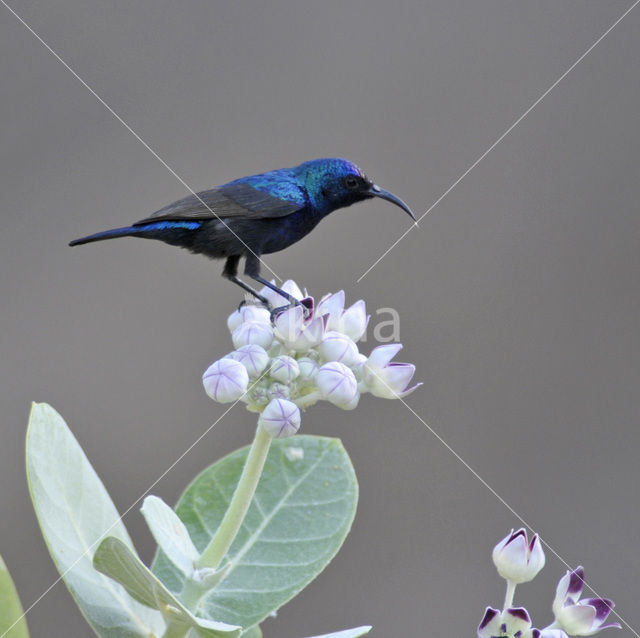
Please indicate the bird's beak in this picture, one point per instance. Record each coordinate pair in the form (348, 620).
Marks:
(376, 191)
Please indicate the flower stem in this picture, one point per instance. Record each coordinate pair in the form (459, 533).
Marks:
(508, 598)
(226, 533)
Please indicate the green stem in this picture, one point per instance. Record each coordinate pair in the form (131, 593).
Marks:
(232, 521)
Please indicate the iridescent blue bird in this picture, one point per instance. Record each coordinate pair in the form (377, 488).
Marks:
(256, 215)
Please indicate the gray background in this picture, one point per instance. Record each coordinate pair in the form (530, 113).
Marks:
(518, 295)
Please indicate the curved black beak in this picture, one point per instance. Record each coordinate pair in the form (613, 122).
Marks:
(376, 191)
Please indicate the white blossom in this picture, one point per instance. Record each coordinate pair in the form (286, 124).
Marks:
(306, 355)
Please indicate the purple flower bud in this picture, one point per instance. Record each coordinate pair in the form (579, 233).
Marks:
(517, 559)
(253, 357)
(225, 380)
(252, 332)
(580, 617)
(337, 383)
(338, 347)
(280, 419)
(284, 369)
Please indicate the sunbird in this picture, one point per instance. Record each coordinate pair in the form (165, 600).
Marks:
(256, 215)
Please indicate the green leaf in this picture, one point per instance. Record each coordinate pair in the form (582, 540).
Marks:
(75, 513)
(12, 621)
(302, 511)
(253, 632)
(170, 534)
(348, 633)
(114, 559)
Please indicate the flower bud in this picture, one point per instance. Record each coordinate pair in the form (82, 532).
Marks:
(338, 347)
(279, 391)
(518, 560)
(332, 306)
(296, 332)
(248, 312)
(336, 383)
(280, 419)
(308, 368)
(252, 332)
(253, 357)
(225, 380)
(284, 369)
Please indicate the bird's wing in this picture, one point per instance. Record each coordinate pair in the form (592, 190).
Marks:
(231, 200)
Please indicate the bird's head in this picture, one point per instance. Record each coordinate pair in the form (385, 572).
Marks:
(333, 183)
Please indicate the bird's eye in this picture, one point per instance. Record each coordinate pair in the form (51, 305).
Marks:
(350, 181)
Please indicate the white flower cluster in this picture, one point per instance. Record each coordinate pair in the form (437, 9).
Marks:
(519, 560)
(302, 357)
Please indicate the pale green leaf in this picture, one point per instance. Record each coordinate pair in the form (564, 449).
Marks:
(348, 633)
(75, 512)
(253, 632)
(170, 534)
(302, 511)
(114, 559)
(12, 621)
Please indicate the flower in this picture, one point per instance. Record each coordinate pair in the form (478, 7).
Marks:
(280, 419)
(579, 617)
(513, 622)
(517, 559)
(304, 356)
(337, 383)
(296, 332)
(225, 380)
(352, 322)
(386, 379)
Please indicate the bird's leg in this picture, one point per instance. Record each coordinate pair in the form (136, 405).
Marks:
(252, 269)
(231, 273)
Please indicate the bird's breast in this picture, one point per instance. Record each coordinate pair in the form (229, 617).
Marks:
(281, 232)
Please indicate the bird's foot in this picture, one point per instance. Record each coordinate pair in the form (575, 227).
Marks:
(276, 311)
(252, 302)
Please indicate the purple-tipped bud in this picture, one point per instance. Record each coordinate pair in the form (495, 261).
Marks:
(253, 357)
(517, 559)
(284, 369)
(580, 617)
(253, 332)
(280, 419)
(225, 380)
(384, 378)
(337, 383)
(338, 347)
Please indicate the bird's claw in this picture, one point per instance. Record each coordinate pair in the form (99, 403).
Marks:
(276, 311)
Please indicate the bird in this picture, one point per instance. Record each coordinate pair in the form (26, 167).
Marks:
(256, 215)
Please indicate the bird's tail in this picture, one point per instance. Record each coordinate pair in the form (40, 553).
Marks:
(107, 234)
(153, 230)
